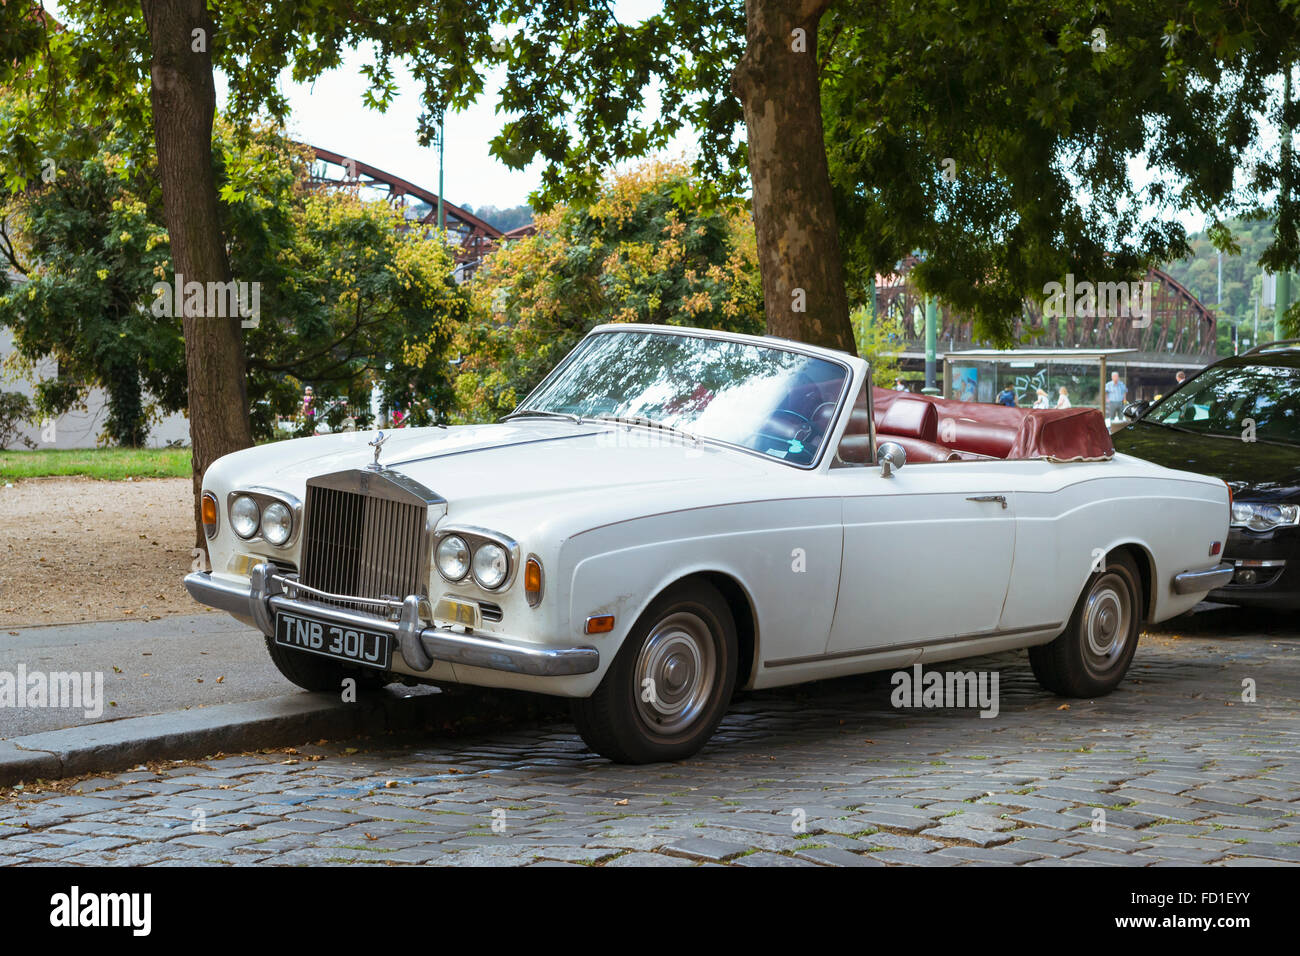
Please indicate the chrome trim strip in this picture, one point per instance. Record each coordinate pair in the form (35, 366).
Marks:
(384, 483)
(840, 655)
(289, 584)
(419, 646)
(1191, 582)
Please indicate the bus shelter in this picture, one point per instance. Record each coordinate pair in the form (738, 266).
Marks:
(980, 375)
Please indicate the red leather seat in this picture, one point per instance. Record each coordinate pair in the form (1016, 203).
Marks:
(911, 418)
(976, 430)
(855, 444)
(982, 438)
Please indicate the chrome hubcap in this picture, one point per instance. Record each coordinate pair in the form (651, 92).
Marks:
(675, 672)
(1106, 621)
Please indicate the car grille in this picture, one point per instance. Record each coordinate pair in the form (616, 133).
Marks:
(361, 545)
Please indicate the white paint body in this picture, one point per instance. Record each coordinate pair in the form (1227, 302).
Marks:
(843, 569)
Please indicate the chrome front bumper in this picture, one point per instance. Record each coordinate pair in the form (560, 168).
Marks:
(419, 646)
(1189, 582)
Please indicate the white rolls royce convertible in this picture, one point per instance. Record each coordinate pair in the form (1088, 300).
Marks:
(674, 513)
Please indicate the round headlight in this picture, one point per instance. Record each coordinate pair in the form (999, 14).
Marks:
(245, 516)
(1241, 513)
(453, 557)
(491, 565)
(277, 523)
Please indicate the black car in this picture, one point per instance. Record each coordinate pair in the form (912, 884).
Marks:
(1238, 420)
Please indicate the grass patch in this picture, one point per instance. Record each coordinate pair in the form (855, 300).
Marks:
(107, 464)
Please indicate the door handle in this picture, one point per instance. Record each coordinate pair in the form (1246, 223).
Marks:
(1001, 498)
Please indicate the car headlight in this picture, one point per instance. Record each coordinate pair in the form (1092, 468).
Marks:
(491, 565)
(245, 516)
(453, 557)
(277, 523)
(1264, 517)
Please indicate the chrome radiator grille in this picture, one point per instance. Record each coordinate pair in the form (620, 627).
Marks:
(361, 545)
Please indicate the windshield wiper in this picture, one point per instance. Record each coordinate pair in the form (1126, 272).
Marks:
(542, 413)
(648, 423)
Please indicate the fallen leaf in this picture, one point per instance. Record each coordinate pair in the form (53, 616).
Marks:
(1064, 707)
(620, 803)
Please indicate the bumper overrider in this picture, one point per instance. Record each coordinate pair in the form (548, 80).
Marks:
(264, 595)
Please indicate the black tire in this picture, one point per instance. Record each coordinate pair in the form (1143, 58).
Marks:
(688, 638)
(313, 672)
(1091, 656)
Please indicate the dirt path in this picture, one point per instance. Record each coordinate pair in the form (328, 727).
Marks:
(75, 549)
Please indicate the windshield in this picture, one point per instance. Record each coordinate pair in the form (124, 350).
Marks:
(1258, 400)
(769, 400)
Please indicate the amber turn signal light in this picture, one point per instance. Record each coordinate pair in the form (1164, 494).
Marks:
(533, 581)
(209, 514)
(600, 625)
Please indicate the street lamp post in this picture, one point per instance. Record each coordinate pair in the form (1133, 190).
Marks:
(442, 221)
(1283, 277)
(931, 338)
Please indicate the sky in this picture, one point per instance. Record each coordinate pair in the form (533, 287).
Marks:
(330, 113)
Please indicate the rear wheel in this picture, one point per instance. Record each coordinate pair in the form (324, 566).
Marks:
(313, 672)
(1091, 657)
(669, 686)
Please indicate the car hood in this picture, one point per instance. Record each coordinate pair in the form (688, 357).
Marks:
(1256, 471)
(477, 467)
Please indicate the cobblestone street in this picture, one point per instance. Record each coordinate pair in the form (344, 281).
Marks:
(1185, 770)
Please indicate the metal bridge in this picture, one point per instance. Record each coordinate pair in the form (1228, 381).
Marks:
(474, 237)
(1182, 330)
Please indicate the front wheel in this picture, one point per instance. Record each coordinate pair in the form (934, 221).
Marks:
(1091, 657)
(670, 683)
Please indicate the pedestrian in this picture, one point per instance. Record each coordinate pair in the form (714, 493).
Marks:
(1115, 393)
(1007, 397)
(308, 409)
(899, 386)
(1179, 378)
(1042, 401)
(1064, 400)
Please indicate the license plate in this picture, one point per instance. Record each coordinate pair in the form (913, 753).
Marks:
(340, 641)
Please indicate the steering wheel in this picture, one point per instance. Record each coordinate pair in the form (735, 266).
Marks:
(803, 431)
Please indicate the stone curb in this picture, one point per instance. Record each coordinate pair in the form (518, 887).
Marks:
(248, 725)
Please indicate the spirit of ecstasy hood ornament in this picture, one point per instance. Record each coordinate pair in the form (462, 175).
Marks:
(378, 443)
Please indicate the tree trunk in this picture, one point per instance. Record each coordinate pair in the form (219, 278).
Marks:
(777, 82)
(184, 102)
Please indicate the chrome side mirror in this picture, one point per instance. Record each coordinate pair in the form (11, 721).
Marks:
(891, 456)
(1135, 410)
